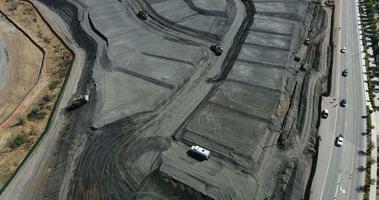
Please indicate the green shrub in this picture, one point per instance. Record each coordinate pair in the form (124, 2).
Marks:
(47, 98)
(36, 114)
(18, 141)
(53, 85)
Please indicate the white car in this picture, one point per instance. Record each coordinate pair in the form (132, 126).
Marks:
(339, 141)
(343, 50)
(324, 113)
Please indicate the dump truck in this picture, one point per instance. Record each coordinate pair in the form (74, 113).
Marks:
(143, 15)
(78, 102)
(217, 49)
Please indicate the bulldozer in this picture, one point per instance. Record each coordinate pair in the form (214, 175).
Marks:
(143, 15)
(78, 102)
(217, 49)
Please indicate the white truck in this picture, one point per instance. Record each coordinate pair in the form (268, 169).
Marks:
(199, 151)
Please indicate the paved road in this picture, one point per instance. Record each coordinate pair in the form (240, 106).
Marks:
(340, 163)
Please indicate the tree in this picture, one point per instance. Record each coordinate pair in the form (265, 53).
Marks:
(373, 27)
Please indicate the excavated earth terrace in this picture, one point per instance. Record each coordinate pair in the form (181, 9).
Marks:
(157, 89)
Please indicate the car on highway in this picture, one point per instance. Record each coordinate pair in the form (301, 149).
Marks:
(325, 113)
(343, 103)
(343, 50)
(339, 140)
(345, 73)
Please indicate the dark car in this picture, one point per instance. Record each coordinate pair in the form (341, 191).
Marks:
(343, 103)
(344, 73)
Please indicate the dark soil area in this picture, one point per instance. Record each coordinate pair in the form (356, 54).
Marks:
(156, 90)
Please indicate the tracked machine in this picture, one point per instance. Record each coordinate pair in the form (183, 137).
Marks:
(143, 15)
(78, 102)
(217, 49)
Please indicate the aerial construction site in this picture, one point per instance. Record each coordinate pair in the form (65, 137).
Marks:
(114, 95)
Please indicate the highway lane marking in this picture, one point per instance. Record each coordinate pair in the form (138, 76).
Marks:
(338, 46)
(355, 125)
(342, 190)
(345, 114)
(354, 45)
(330, 153)
(354, 91)
(338, 183)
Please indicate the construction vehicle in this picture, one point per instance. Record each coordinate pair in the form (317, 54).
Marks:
(78, 102)
(199, 153)
(217, 49)
(143, 15)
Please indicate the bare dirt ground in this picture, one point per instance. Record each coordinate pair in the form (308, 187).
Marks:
(22, 67)
(21, 129)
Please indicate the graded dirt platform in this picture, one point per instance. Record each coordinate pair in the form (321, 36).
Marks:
(157, 89)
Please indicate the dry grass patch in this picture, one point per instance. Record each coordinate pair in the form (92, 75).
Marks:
(28, 122)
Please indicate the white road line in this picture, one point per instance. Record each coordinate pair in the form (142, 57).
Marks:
(336, 96)
(338, 183)
(330, 154)
(342, 190)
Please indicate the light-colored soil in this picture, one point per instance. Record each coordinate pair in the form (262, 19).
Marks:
(54, 68)
(22, 66)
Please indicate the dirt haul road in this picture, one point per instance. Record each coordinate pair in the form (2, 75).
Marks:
(157, 89)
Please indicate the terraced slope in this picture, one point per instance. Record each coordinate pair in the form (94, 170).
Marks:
(157, 89)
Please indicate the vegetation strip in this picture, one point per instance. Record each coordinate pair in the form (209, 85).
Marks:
(372, 32)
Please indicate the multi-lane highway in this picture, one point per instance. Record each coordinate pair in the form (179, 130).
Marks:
(337, 176)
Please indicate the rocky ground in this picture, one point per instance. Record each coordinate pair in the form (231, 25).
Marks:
(156, 89)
